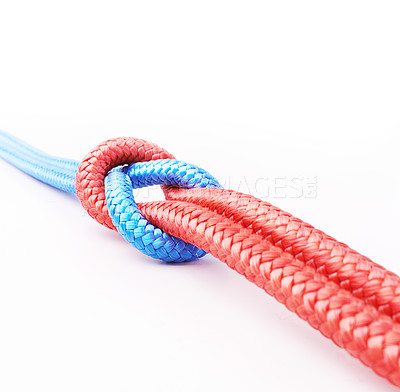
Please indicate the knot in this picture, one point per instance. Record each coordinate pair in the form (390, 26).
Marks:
(89, 181)
(105, 190)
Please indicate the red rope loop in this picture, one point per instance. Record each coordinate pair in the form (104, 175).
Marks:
(95, 166)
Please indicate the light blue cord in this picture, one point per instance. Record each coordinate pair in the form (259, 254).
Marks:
(60, 173)
(57, 172)
(127, 217)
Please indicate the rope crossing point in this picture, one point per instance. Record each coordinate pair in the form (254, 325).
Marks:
(347, 297)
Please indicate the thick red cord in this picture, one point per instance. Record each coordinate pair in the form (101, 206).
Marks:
(339, 263)
(343, 294)
(95, 166)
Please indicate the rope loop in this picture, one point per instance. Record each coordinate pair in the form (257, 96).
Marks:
(130, 222)
(89, 180)
(343, 294)
(116, 190)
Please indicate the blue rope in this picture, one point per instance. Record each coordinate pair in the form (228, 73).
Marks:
(57, 172)
(127, 217)
(119, 183)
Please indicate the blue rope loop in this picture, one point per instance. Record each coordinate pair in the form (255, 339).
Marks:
(60, 173)
(128, 219)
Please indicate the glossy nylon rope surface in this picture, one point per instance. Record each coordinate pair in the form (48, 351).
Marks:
(343, 294)
(57, 172)
(131, 223)
(139, 232)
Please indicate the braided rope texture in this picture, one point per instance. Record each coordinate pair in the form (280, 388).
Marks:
(57, 172)
(337, 313)
(128, 219)
(93, 169)
(339, 263)
(344, 295)
(347, 297)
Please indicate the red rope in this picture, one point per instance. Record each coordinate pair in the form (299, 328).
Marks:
(343, 294)
(339, 263)
(95, 166)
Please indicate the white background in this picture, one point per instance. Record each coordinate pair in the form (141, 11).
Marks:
(245, 89)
